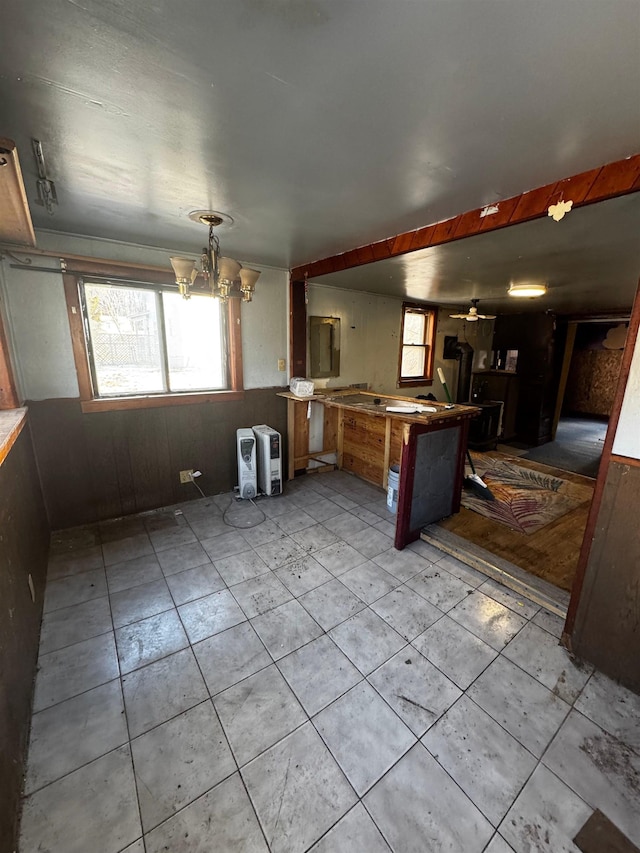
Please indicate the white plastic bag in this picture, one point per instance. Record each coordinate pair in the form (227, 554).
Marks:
(301, 387)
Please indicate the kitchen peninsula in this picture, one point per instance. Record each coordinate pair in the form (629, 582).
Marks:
(355, 432)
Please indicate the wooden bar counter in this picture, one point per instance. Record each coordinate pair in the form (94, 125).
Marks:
(355, 429)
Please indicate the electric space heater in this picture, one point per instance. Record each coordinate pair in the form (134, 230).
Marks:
(269, 449)
(247, 472)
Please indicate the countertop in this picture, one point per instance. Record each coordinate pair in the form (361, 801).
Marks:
(363, 401)
(11, 423)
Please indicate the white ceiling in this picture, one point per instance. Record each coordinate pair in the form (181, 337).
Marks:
(318, 125)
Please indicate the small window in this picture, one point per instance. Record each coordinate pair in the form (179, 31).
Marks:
(418, 340)
(152, 341)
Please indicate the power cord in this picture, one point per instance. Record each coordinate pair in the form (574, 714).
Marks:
(243, 526)
(195, 474)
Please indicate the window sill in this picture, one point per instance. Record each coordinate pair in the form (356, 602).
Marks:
(115, 404)
(413, 383)
(11, 424)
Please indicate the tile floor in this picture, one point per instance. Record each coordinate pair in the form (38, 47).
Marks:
(300, 685)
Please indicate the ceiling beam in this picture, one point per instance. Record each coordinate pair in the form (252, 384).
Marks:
(614, 179)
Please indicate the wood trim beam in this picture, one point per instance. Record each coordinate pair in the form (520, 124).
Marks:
(609, 181)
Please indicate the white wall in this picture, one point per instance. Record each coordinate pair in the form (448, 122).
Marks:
(370, 340)
(36, 317)
(265, 331)
(627, 440)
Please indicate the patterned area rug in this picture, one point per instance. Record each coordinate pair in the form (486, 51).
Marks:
(526, 499)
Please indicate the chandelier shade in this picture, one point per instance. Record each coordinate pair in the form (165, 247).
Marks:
(228, 270)
(248, 280)
(186, 272)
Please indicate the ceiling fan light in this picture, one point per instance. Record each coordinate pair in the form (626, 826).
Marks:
(524, 291)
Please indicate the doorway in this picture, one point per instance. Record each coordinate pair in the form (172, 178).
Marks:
(577, 446)
(568, 464)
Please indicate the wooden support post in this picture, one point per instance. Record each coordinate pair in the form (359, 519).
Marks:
(564, 375)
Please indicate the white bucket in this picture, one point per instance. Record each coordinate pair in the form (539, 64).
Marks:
(393, 484)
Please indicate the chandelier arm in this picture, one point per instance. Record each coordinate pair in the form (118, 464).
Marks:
(214, 251)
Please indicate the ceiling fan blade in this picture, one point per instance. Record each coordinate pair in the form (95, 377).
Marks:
(472, 314)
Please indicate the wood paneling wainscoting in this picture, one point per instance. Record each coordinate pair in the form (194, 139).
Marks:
(24, 544)
(103, 465)
(607, 626)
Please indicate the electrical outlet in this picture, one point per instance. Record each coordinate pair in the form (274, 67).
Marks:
(186, 476)
(282, 364)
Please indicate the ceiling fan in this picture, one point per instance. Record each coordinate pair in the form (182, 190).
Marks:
(472, 314)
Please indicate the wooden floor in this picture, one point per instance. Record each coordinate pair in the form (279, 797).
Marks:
(550, 553)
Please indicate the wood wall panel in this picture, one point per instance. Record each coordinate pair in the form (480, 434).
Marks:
(61, 452)
(395, 445)
(24, 544)
(363, 446)
(330, 428)
(108, 464)
(607, 626)
(301, 433)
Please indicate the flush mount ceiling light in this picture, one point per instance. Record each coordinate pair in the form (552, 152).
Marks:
(15, 223)
(527, 290)
(223, 277)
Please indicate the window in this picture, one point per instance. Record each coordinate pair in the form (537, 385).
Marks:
(418, 340)
(148, 341)
(140, 344)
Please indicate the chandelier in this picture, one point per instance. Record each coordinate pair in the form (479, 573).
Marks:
(223, 277)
